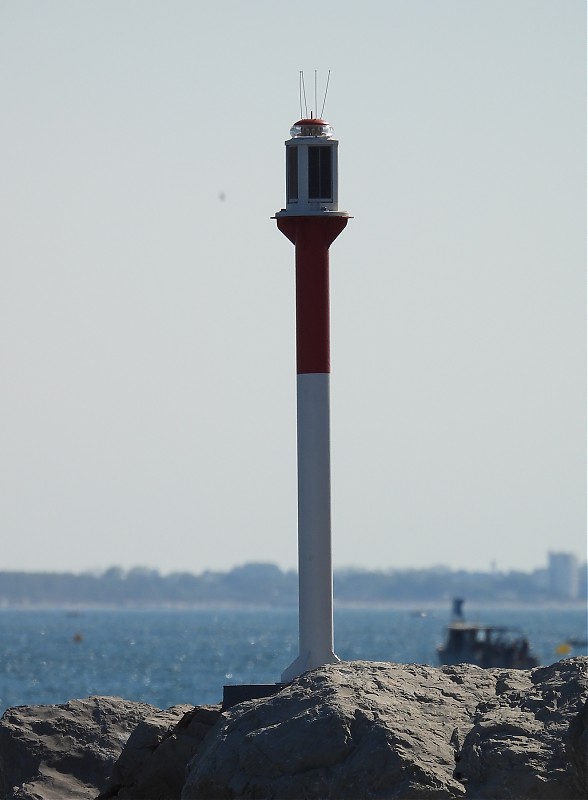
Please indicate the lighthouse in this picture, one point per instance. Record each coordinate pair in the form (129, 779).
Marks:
(312, 221)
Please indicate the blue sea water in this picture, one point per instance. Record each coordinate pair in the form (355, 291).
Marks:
(171, 656)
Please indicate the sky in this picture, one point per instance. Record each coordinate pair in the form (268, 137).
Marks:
(147, 361)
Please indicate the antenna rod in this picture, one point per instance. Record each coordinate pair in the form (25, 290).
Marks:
(300, 91)
(326, 90)
(304, 93)
(315, 103)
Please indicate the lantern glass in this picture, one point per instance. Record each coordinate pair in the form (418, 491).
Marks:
(311, 127)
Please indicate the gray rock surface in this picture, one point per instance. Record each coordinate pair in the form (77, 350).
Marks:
(153, 763)
(55, 752)
(577, 748)
(369, 730)
(350, 730)
(518, 738)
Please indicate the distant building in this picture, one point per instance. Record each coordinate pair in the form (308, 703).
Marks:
(563, 575)
(540, 578)
(583, 581)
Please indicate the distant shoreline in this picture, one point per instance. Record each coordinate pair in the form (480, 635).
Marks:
(429, 609)
(267, 586)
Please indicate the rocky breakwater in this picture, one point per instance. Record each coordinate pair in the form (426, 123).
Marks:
(63, 751)
(349, 730)
(379, 730)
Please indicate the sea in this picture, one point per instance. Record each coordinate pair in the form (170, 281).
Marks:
(174, 656)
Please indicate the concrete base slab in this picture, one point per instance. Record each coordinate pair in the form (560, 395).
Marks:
(234, 694)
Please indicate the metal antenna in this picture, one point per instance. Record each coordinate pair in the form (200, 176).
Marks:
(303, 92)
(315, 103)
(326, 90)
(300, 91)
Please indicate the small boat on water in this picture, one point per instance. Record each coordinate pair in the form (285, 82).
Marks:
(577, 642)
(484, 645)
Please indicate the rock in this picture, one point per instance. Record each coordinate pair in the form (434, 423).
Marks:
(518, 739)
(54, 752)
(372, 730)
(347, 730)
(153, 763)
(577, 748)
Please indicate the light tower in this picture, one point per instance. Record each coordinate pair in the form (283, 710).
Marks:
(312, 221)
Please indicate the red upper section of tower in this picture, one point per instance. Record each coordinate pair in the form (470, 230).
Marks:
(312, 237)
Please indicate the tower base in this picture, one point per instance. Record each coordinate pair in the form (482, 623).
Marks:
(239, 693)
(304, 663)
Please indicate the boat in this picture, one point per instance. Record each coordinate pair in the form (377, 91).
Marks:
(484, 645)
(578, 643)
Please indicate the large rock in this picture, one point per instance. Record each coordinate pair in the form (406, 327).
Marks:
(525, 738)
(54, 752)
(153, 763)
(374, 730)
(577, 747)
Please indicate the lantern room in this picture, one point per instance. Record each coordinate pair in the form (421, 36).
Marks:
(311, 170)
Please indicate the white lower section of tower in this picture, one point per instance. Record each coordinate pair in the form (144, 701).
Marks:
(315, 571)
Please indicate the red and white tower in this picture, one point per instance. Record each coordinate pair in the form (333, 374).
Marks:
(312, 221)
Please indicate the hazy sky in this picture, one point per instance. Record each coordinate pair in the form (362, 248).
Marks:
(147, 375)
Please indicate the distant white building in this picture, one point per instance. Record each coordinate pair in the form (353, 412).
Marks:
(563, 575)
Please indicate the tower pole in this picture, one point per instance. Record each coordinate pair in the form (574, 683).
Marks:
(312, 225)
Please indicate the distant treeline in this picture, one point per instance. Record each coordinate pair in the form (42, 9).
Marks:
(266, 584)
